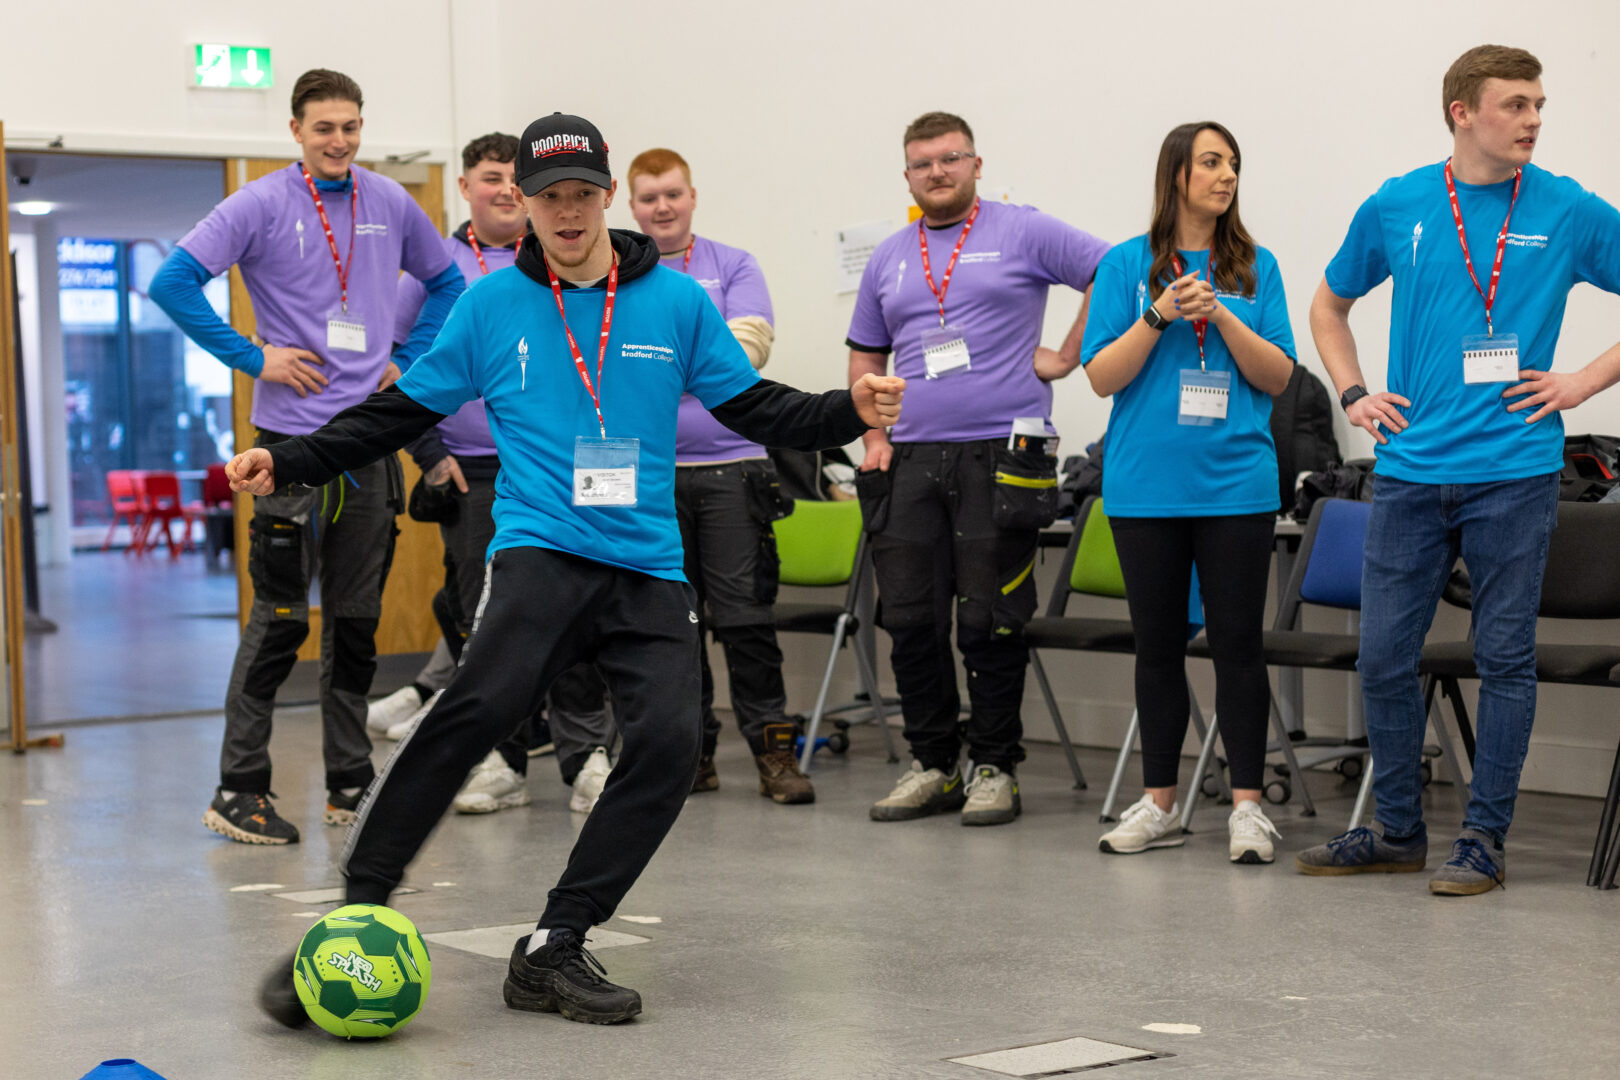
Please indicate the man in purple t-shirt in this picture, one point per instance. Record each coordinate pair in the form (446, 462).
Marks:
(320, 245)
(726, 492)
(959, 299)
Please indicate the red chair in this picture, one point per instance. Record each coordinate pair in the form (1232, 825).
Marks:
(217, 511)
(124, 489)
(162, 504)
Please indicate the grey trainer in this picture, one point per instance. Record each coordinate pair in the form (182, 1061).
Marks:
(992, 797)
(1363, 851)
(1478, 864)
(919, 793)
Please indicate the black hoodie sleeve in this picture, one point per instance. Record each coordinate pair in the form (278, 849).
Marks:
(355, 437)
(775, 415)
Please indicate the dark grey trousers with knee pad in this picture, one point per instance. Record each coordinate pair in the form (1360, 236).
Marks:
(544, 612)
(343, 534)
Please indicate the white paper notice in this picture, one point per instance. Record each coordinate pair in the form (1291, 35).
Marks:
(855, 247)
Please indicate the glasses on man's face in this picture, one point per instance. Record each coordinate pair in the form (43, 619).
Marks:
(924, 166)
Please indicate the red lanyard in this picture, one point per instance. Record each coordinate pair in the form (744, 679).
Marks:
(326, 226)
(686, 263)
(478, 252)
(1501, 242)
(601, 349)
(1200, 326)
(928, 274)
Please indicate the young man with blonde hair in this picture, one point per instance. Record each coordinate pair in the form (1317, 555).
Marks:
(1483, 249)
(726, 491)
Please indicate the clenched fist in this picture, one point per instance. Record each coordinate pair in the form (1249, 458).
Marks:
(252, 471)
(877, 398)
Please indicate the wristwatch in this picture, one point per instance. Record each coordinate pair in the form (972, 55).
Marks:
(1351, 396)
(1154, 320)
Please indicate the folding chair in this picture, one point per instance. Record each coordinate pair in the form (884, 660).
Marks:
(1090, 567)
(1582, 581)
(1606, 850)
(823, 545)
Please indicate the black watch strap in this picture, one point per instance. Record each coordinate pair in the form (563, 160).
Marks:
(1154, 320)
(1351, 396)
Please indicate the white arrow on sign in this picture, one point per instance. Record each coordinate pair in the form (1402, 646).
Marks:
(251, 72)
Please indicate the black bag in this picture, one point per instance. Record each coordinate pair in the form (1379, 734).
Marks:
(1082, 476)
(875, 487)
(803, 473)
(1352, 480)
(1591, 468)
(1026, 491)
(1302, 428)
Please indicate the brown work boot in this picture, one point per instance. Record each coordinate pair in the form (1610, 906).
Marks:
(707, 779)
(779, 775)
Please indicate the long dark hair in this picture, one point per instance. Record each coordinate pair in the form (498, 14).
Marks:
(1231, 253)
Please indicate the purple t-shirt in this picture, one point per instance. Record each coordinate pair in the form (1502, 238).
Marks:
(997, 296)
(466, 434)
(733, 281)
(271, 230)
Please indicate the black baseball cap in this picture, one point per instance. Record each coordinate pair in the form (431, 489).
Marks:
(561, 147)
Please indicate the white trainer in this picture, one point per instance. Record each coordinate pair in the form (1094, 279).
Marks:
(492, 786)
(384, 713)
(588, 784)
(1142, 826)
(1251, 834)
(408, 725)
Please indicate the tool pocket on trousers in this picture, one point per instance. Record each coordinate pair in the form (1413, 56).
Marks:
(276, 559)
(1026, 490)
(875, 489)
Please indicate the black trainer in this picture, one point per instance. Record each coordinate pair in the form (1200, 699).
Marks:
(279, 999)
(562, 976)
(340, 808)
(249, 818)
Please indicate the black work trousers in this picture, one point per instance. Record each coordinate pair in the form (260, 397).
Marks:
(544, 612)
(935, 547)
(1233, 555)
(725, 513)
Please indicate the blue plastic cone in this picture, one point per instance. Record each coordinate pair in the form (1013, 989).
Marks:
(121, 1069)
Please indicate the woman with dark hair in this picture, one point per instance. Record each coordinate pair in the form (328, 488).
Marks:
(1189, 334)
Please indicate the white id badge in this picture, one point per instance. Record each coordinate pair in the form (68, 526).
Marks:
(945, 351)
(1490, 359)
(345, 330)
(605, 471)
(1203, 397)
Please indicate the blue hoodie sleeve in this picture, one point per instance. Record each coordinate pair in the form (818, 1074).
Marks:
(177, 288)
(442, 291)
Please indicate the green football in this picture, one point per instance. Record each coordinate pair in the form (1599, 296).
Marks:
(362, 971)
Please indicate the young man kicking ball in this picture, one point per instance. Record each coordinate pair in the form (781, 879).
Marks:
(586, 560)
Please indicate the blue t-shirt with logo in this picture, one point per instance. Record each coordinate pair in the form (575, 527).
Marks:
(1157, 466)
(1559, 234)
(504, 342)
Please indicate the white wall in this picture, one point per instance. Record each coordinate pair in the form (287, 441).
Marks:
(791, 117)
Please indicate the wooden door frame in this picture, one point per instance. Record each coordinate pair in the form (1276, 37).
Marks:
(11, 523)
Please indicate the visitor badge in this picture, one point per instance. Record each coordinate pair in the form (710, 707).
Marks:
(945, 351)
(605, 471)
(345, 330)
(1203, 397)
(1488, 359)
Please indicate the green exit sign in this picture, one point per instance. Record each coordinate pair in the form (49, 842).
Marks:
(238, 66)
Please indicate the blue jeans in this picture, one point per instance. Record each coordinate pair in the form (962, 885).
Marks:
(1414, 536)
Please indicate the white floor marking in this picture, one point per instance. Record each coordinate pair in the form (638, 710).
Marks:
(497, 941)
(266, 887)
(1054, 1057)
(444, 884)
(305, 914)
(321, 896)
(35, 802)
(1174, 1029)
(646, 920)
(1291, 997)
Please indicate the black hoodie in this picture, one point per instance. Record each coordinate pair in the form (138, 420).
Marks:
(768, 412)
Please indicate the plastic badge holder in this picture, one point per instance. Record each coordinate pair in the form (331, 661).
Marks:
(605, 471)
(945, 351)
(1203, 397)
(1488, 359)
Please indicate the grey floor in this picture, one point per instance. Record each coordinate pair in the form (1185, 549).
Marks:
(794, 941)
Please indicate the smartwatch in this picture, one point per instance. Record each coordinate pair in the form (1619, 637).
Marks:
(1154, 320)
(1351, 396)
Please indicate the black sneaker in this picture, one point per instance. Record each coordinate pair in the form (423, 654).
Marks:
(706, 779)
(561, 976)
(278, 997)
(540, 741)
(249, 818)
(340, 808)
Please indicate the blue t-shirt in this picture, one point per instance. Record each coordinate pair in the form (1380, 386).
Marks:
(1158, 467)
(1560, 234)
(504, 343)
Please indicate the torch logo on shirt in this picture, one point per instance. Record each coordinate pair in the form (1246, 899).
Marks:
(1417, 234)
(523, 361)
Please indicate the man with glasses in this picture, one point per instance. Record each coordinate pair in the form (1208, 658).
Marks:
(965, 333)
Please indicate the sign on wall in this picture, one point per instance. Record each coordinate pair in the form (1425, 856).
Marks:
(87, 276)
(244, 67)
